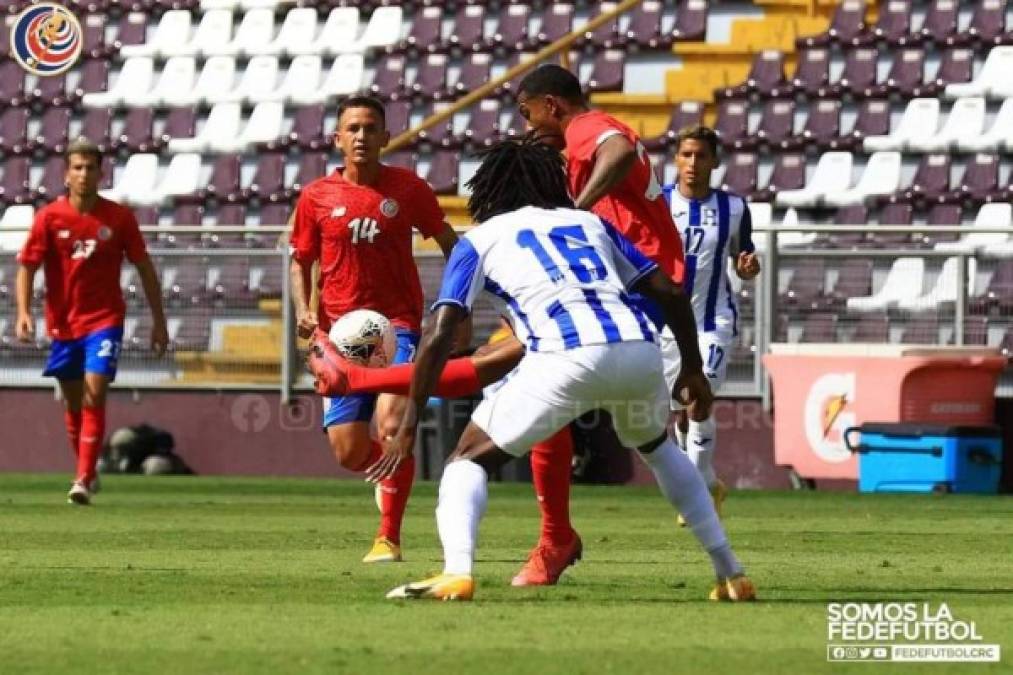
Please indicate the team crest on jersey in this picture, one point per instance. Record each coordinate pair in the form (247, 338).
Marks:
(389, 207)
(104, 233)
(338, 211)
(46, 39)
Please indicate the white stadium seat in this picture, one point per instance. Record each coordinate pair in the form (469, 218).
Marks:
(990, 215)
(261, 4)
(945, 288)
(258, 82)
(904, 282)
(211, 5)
(266, 123)
(966, 121)
(173, 88)
(15, 216)
(383, 29)
(994, 79)
(214, 30)
(881, 177)
(217, 76)
(919, 124)
(339, 34)
(173, 30)
(762, 214)
(222, 123)
(998, 137)
(255, 31)
(833, 173)
(297, 33)
(791, 219)
(137, 180)
(181, 178)
(344, 78)
(136, 76)
(302, 81)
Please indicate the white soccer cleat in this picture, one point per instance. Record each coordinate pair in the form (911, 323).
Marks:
(79, 494)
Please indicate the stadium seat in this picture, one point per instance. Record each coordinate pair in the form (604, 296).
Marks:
(228, 214)
(979, 183)
(806, 284)
(95, 126)
(812, 72)
(137, 134)
(440, 134)
(132, 29)
(893, 25)
(179, 123)
(136, 181)
(989, 215)
(822, 126)
(644, 29)
(605, 36)
(931, 180)
(12, 84)
(899, 213)
(907, 74)
(261, 4)
(255, 31)
(788, 174)
(993, 80)
(389, 78)
(339, 34)
(211, 5)
(268, 183)
(872, 327)
(182, 177)
(475, 71)
(607, 72)
(881, 177)
(904, 281)
(988, 23)
(954, 66)
(402, 158)
(832, 171)
(796, 238)
(308, 129)
(777, 125)
(173, 88)
(483, 127)
(847, 24)
(425, 33)
(765, 78)
(443, 169)
(854, 279)
(264, 126)
(852, 214)
(343, 79)
(172, 34)
(966, 121)
(917, 126)
(945, 288)
(999, 136)
(975, 331)
(17, 216)
(51, 183)
(873, 120)
(940, 23)
(93, 38)
(301, 83)
(940, 215)
(921, 330)
(383, 29)
(135, 77)
(690, 21)
(48, 91)
(94, 79)
(431, 77)
(14, 185)
(684, 114)
(223, 184)
(258, 83)
(511, 32)
(469, 28)
(296, 35)
(222, 123)
(741, 173)
(998, 294)
(859, 75)
(732, 122)
(398, 115)
(819, 327)
(557, 21)
(214, 30)
(14, 131)
(54, 131)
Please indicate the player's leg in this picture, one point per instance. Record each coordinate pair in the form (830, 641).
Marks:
(702, 430)
(672, 364)
(66, 364)
(101, 359)
(393, 492)
(639, 417)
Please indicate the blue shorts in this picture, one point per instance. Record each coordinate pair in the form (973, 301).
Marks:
(96, 352)
(359, 407)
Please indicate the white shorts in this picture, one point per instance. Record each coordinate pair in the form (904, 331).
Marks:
(715, 350)
(548, 390)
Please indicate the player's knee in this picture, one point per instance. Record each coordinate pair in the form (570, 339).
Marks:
(350, 456)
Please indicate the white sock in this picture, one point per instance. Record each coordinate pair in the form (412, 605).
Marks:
(680, 436)
(684, 488)
(701, 439)
(463, 496)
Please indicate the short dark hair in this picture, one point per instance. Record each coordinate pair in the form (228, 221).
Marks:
(83, 146)
(515, 174)
(698, 132)
(550, 79)
(370, 102)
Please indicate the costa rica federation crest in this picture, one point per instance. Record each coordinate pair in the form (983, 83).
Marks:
(46, 39)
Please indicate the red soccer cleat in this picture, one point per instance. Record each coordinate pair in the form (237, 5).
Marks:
(328, 367)
(547, 562)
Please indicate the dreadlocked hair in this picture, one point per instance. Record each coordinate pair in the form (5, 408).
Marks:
(515, 174)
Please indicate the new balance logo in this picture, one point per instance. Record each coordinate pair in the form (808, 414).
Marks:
(338, 211)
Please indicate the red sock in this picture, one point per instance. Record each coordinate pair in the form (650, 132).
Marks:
(394, 493)
(93, 432)
(72, 420)
(459, 378)
(375, 452)
(550, 467)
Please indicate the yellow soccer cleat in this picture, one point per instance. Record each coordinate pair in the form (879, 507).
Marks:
(736, 589)
(384, 550)
(441, 587)
(719, 492)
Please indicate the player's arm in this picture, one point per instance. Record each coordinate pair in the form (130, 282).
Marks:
(747, 263)
(153, 292)
(446, 238)
(612, 162)
(305, 250)
(25, 324)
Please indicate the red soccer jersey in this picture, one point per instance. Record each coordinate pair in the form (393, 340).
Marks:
(362, 235)
(636, 206)
(81, 255)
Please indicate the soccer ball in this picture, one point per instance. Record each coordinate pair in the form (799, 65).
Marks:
(365, 337)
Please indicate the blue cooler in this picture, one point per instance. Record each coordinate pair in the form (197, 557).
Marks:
(914, 457)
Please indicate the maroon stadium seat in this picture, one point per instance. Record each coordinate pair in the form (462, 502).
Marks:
(897, 213)
(873, 120)
(777, 124)
(308, 129)
(441, 134)
(483, 127)
(765, 78)
(822, 126)
(942, 215)
(979, 182)
(12, 84)
(819, 327)
(94, 78)
(398, 115)
(14, 186)
(940, 24)
(442, 175)
(476, 70)
(806, 284)
(872, 326)
(930, 182)
(921, 329)
(684, 114)
(54, 131)
(607, 73)
(740, 173)
(224, 184)
(49, 91)
(847, 24)
(179, 123)
(854, 280)
(788, 174)
(906, 75)
(812, 74)
(425, 32)
(644, 29)
(95, 127)
(268, 183)
(313, 165)
(557, 21)
(51, 184)
(605, 36)
(389, 80)
(136, 135)
(469, 28)
(14, 131)
(431, 79)
(859, 75)
(893, 26)
(511, 33)
(732, 122)
(690, 21)
(955, 66)
(998, 295)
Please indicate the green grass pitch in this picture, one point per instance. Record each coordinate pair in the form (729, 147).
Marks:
(202, 575)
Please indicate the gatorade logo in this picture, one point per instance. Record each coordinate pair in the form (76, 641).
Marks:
(828, 412)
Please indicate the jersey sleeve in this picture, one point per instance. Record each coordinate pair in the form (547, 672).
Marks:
(427, 216)
(631, 264)
(463, 277)
(34, 250)
(133, 241)
(304, 244)
(583, 141)
(744, 236)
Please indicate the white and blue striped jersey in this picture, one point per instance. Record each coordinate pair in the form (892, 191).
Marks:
(712, 229)
(563, 273)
